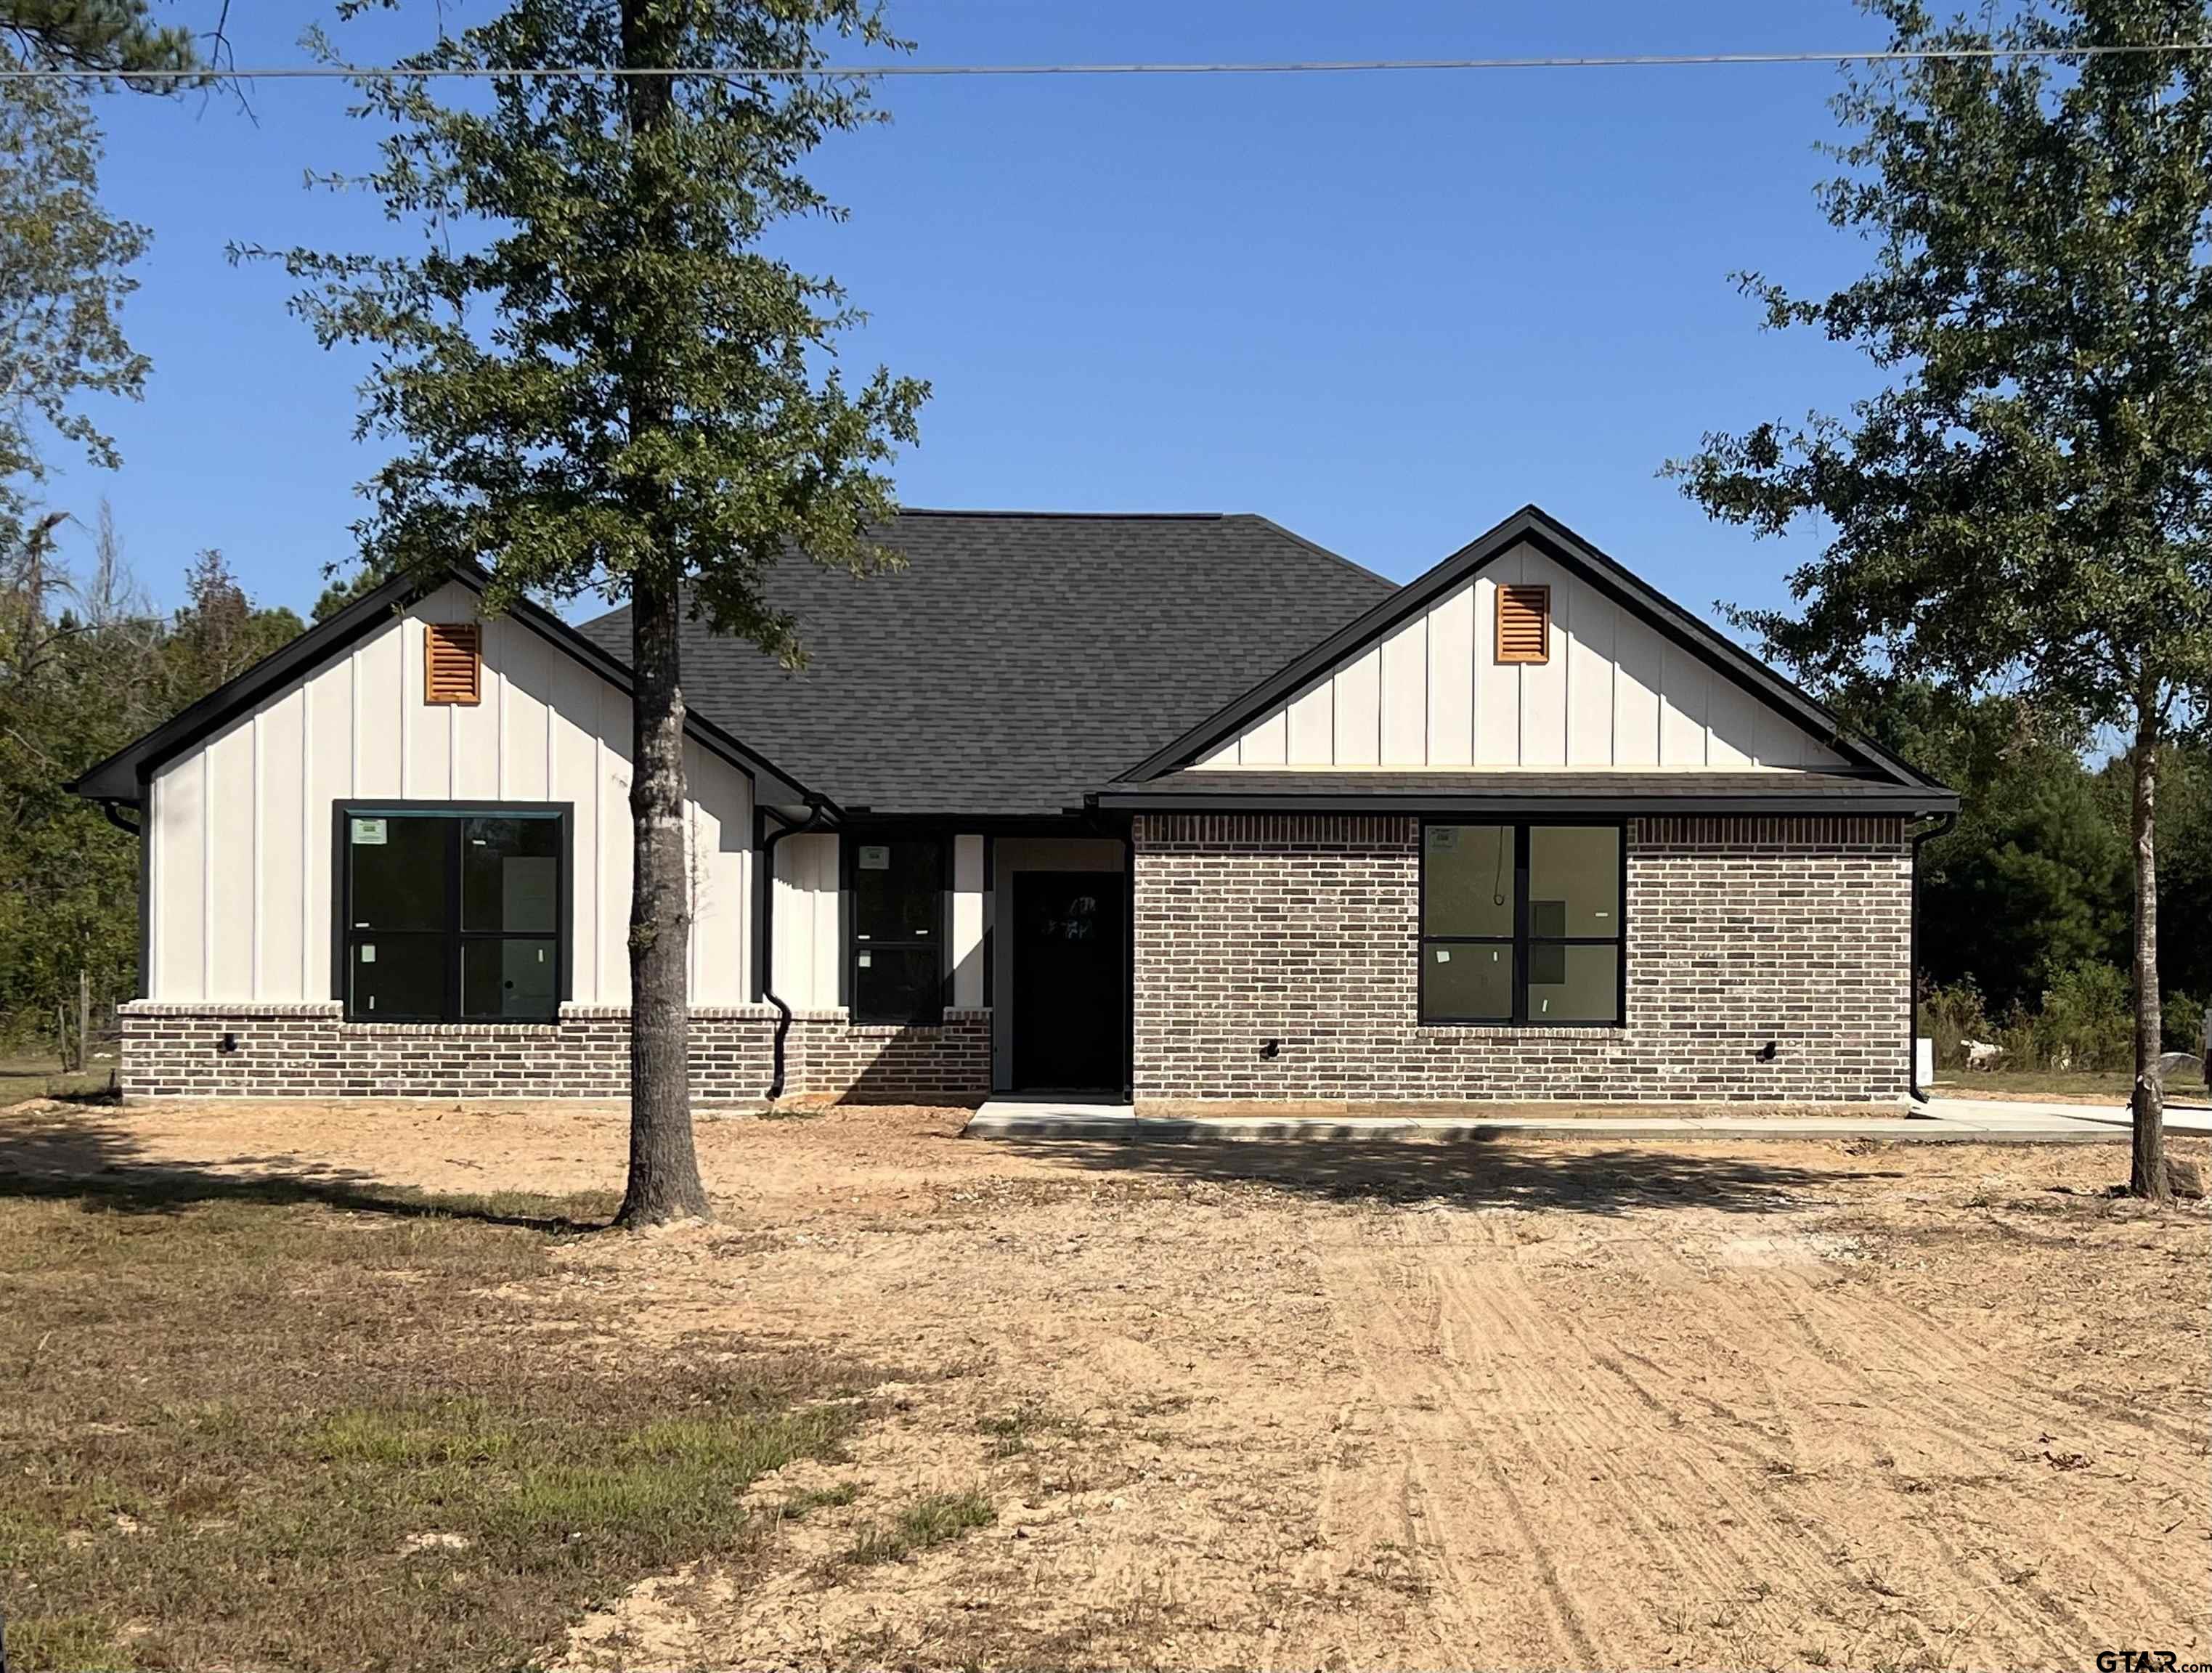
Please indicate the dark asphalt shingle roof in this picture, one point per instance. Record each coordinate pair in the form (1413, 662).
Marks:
(1020, 660)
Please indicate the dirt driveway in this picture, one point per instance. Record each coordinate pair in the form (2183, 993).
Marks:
(1513, 1404)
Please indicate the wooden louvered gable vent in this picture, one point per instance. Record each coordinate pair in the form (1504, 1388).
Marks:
(452, 663)
(1524, 624)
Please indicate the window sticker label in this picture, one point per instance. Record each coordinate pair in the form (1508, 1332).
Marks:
(369, 833)
(1443, 835)
(367, 953)
(1444, 955)
(868, 961)
(875, 856)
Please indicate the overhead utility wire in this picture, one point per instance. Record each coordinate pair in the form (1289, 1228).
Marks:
(1285, 67)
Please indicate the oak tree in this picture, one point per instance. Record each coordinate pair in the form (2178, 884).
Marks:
(2027, 506)
(598, 378)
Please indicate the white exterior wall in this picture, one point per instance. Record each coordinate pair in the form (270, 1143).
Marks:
(803, 966)
(970, 909)
(807, 964)
(1616, 693)
(240, 827)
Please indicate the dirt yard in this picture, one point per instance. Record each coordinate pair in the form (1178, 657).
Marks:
(1510, 1404)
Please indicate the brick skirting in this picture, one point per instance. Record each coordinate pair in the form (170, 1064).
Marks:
(176, 1050)
(1304, 929)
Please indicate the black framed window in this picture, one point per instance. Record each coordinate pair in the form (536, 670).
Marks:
(452, 914)
(895, 889)
(1523, 924)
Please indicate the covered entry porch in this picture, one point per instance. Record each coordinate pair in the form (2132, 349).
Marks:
(902, 933)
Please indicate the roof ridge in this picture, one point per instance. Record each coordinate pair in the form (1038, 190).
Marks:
(1083, 516)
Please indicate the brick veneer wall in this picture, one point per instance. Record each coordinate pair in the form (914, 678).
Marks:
(173, 1050)
(1304, 929)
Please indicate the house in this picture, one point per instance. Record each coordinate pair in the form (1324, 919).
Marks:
(1181, 805)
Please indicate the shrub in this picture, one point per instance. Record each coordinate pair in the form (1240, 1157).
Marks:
(1951, 1015)
(2183, 1015)
(2086, 1017)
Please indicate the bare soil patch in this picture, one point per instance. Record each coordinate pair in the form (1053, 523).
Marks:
(1508, 1403)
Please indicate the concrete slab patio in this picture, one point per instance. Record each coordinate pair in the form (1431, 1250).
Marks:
(1942, 1120)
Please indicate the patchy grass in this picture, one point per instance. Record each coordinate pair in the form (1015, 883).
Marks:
(254, 1431)
(22, 1077)
(927, 1522)
(801, 1505)
(2104, 1086)
(1013, 1430)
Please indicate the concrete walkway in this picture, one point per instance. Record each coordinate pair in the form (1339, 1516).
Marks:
(1943, 1120)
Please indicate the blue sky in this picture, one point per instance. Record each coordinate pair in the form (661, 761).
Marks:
(1385, 310)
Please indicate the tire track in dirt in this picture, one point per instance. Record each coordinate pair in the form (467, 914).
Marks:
(1539, 1412)
(1364, 1503)
(1522, 1390)
(1735, 1537)
(1392, 1353)
(1900, 1361)
(1960, 1399)
(1791, 1304)
(1763, 1302)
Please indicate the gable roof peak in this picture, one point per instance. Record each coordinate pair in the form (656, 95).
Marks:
(1536, 526)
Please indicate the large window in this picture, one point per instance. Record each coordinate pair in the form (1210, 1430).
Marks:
(894, 888)
(1521, 924)
(452, 915)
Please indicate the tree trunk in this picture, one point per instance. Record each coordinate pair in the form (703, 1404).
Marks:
(663, 1165)
(2147, 1173)
(83, 1019)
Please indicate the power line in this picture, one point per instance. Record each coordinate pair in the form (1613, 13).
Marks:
(293, 73)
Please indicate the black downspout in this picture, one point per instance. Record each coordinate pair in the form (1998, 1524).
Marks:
(112, 806)
(817, 819)
(1944, 823)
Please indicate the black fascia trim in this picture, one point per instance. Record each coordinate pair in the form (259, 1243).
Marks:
(1564, 547)
(122, 778)
(343, 808)
(1075, 821)
(1139, 799)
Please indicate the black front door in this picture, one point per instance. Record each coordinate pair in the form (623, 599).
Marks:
(1068, 980)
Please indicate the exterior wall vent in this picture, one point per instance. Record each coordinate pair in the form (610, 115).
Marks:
(452, 663)
(1524, 624)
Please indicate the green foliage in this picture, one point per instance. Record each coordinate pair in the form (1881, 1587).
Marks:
(218, 634)
(2185, 863)
(2087, 1019)
(597, 375)
(2029, 503)
(110, 35)
(2026, 505)
(2185, 1022)
(65, 262)
(85, 666)
(2084, 1020)
(2034, 878)
(1951, 1014)
(929, 1521)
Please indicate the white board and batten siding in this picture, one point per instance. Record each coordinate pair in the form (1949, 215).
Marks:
(1614, 693)
(808, 953)
(239, 826)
